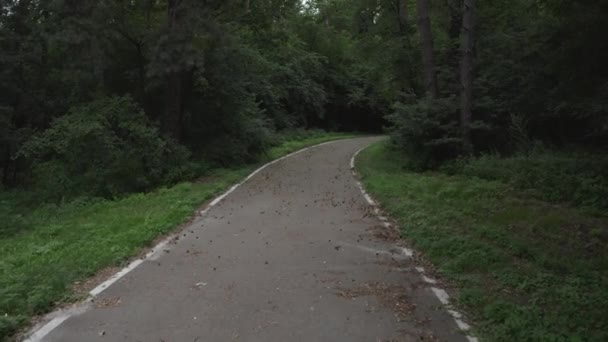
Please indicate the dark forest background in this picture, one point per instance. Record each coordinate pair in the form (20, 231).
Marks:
(103, 98)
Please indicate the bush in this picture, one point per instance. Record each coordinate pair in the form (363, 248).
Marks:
(104, 148)
(427, 131)
(238, 138)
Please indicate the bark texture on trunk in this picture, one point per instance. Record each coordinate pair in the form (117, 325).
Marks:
(454, 45)
(455, 14)
(426, 42)
(466, 75)
(98, 63)
(173, 111)
(173, 123)
(403, 15)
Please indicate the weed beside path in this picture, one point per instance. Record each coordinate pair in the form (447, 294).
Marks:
(527, 270)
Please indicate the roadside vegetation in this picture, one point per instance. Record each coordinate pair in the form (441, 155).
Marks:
(45, 249)
(525, 269)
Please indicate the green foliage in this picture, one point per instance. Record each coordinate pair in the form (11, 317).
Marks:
(227, 78)
(543, 60)
(538, 73)
(220, 79)
(427, 131)
(249, 91)
(527, 270)
(105, 148)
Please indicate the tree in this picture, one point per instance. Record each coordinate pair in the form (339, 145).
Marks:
(426, 45)
(173, 116)
(402, 15)
(466, 75)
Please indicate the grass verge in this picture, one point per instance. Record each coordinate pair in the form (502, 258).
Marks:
(58, 245)
(527, 270)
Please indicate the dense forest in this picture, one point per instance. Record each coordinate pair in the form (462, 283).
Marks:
(100, 99)
(103, 98)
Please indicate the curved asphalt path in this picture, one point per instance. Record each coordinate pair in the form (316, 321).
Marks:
(291, 255)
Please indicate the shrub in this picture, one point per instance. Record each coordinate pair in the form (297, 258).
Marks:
(427, 131)
(245, 135)
(104, 148)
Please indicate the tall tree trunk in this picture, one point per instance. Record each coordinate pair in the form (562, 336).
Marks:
(247, 5)
(6, 165)
(98, 63)
(402, 15)
(455, 17)
(466, 75)
(141, 73)
(426, 42)
(173, 123)
(454, 45)
(173, 114)
(407, 81)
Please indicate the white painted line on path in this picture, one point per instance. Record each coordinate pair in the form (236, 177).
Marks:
(54, 319)
(47, 328)
(429, 280)
(101, 287)
(441, 294)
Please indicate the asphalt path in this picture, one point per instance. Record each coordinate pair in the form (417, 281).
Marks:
(295, 253)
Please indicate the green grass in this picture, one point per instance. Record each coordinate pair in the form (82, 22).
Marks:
(527, 270)
(44, 250)
(578, 178)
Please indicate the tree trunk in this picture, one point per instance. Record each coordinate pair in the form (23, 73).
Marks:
(455, 14)
(402, 15)
(426, 42)
(247, 5)
(173, 123)
(6, 165)
(466, 75)
(141, 73)
(98, 63)
(173, 114)
(454, 46)
(326, 18)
